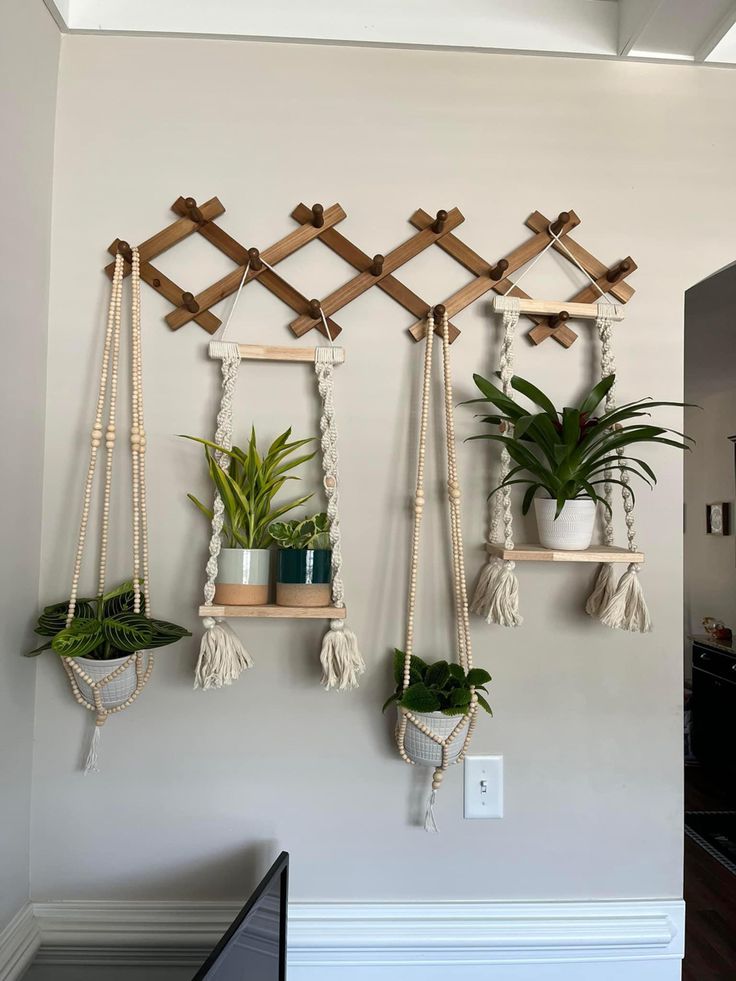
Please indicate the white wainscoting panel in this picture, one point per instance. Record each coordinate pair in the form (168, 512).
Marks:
(641, 940)
(19, 942)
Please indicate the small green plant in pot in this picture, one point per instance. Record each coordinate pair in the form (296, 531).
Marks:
(564, 458)
(102, 636)
(304, 561)
(248, 489)
(438, 696)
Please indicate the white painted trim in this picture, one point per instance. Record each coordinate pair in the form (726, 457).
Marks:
(19, 942)
(634, 16)
(395, 935)
(719, 32)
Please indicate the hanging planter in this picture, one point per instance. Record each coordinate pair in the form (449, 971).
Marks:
(105, 643)
(571, 529)
(438, 703)
(304, 568)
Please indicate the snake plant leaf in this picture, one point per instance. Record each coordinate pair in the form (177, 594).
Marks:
(81, 637)
(419, 698)
(478, 676)
(128, 632)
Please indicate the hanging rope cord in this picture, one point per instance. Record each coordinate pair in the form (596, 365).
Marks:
(108, 395)
(465, 654)
(223, 658)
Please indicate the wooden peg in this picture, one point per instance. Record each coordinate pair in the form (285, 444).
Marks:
(439, 311)
(315, 310)
(189, 302)
(377, 265)
(318, 215)
(557, 321)
(619, 271)
(193, 211)
(498, 271)
(562, 219)
(439, 222)
(254, 257)
(125, 251)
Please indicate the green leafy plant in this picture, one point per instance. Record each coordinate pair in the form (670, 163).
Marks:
(103, 628)
(249, 487)
(439, 687)
(566, 454)
(311, 532)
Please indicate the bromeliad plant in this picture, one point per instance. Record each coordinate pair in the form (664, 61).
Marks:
(567, 454)
(439, 687)
(249, 487)
(103, 628)
(312, 533)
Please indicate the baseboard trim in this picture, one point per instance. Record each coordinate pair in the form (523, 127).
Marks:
(383, 935)
(19, 942)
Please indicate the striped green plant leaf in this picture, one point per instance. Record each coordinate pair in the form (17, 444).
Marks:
(80, 638)
(128, 632)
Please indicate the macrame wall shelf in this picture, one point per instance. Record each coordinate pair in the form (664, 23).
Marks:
(537, 553)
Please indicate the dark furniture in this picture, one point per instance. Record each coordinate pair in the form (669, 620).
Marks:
(714, 703)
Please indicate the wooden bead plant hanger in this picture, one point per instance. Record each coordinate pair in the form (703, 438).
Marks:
(99, 694)
(460, 732)
(496, 598)
(222, 657)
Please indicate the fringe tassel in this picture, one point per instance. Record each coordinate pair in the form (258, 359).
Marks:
(222, 657)
(430, 822)
(342, 662)
(93, 755)
(627, 609)
(484, 589)
(603, 591)
(501, 595)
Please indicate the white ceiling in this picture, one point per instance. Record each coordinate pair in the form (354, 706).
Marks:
(699, 31)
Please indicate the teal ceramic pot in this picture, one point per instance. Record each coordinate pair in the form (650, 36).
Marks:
(304, 577)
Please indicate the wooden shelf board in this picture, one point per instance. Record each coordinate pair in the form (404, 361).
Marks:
(538, 553)
(273, 612)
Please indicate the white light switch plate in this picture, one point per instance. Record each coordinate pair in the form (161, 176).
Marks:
(483, 787)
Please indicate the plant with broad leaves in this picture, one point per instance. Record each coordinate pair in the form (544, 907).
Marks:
(103, 628)
(311, 532)
(569, 454)
(248, 487)
(439, 687)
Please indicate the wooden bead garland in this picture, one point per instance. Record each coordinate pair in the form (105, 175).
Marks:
(107, 396)
(465, 655)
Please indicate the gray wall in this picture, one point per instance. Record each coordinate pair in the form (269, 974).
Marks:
(29, 51)
(198, 788)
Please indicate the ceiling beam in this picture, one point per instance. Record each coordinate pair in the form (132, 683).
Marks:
(59, 10)
(718, 33)
(634, 16)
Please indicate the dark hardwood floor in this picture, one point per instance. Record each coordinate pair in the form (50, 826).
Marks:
(710, 889)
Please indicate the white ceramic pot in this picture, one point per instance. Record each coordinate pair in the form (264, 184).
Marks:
(572, 531)
(114, 692)
(424, 750)
(243, 576)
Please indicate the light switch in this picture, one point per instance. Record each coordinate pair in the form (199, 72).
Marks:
(483, 787)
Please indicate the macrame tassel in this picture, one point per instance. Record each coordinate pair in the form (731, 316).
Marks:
(93, 755)
(430, 822)
(342, 662)
(627, 609)
(503, 601)
(485, 588)
(222, 657)
(603, 591)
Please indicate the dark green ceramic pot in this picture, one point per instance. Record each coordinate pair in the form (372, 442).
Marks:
(304, 577)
